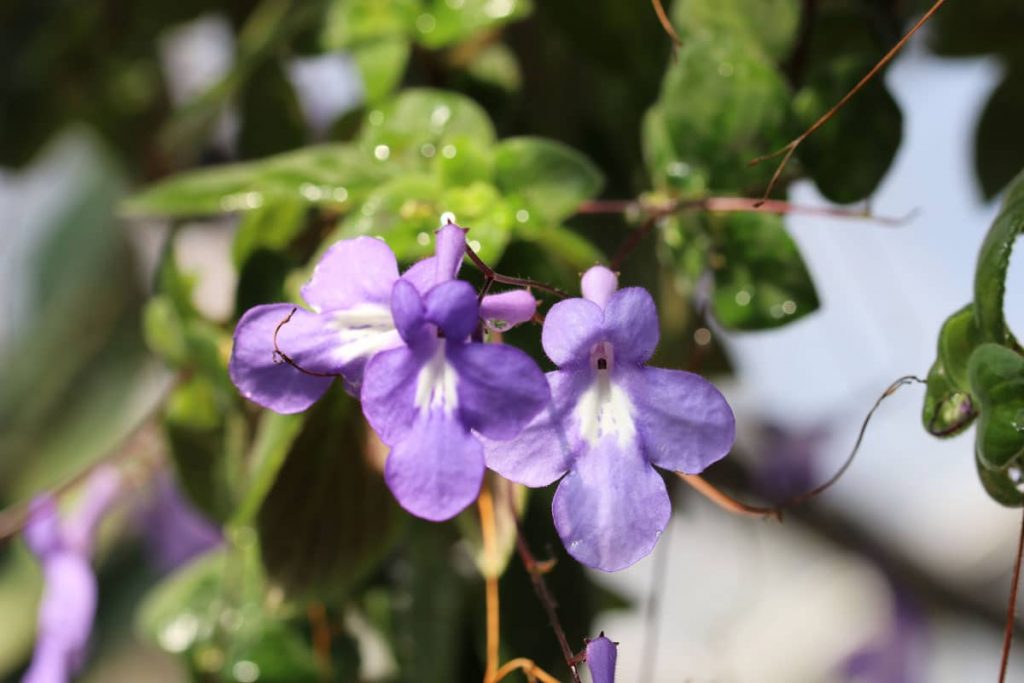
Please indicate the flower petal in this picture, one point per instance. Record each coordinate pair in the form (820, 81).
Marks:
(408, 311)
(611, 508)
(102, 490)
(389, 390)
(685, 423)
(453, 307)
(601, 657)
(42, 531)
(571, 328)
(422, 274)
(598, 284)
(631, 323)
(500, 388)
(352, 272)
(450, 249)
(68, 605)
(258, 375)
(545, 449)
(436, 471)
(507, 309)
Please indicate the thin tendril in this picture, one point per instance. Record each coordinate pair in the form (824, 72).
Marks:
(790, 148)
(1011, 609)
(890, 390)
(280, 355)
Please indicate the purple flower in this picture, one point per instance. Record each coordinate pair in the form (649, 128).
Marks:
(350, 320)
(601, 657)
(425, 399)
(174, 530)
(69, 596)
(611, 419)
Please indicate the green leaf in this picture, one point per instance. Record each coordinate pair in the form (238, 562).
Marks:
(998, 148)
(663, 165)
(382, 65)
(272, 227)
(419, 124)
(958, 338)
(445, 22)
(1000, 486)
(352, 22)
(332, 175)
(993, 263)
(551, 177)
(329, 518)
(947, 410)
(164, 330)
(274, 439)
(848, 156)
(497, 65)
(772, 24)
(724, 103)
(997, 382)
(404, 212)
(202, 442)
(184, 605)
(760, 278)
(272, 119)
(563, 244)
(468, 161)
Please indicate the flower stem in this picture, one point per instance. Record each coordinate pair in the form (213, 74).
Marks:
(1011, 609)
(532, 671)
(488, 531)
(540, 587)
(725, 501)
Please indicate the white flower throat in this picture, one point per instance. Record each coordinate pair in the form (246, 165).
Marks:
(604, 408)
(364, 330)
(436, 383)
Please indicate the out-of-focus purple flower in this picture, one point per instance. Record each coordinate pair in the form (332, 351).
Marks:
(601, 657)
(611, 419)
(891, 658)
(68, 605)
(426, 398)
(786, 459)
(349, 320)
(175, 532)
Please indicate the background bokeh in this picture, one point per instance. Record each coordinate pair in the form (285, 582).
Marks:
(899, 573)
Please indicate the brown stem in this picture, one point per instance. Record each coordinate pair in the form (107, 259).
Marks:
(666, 23)
(490, 274)
(716, 205)
(725, 501)
(528, 667)
(790, 148)
(1011, 609)
(488, 532)
(540, 587)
